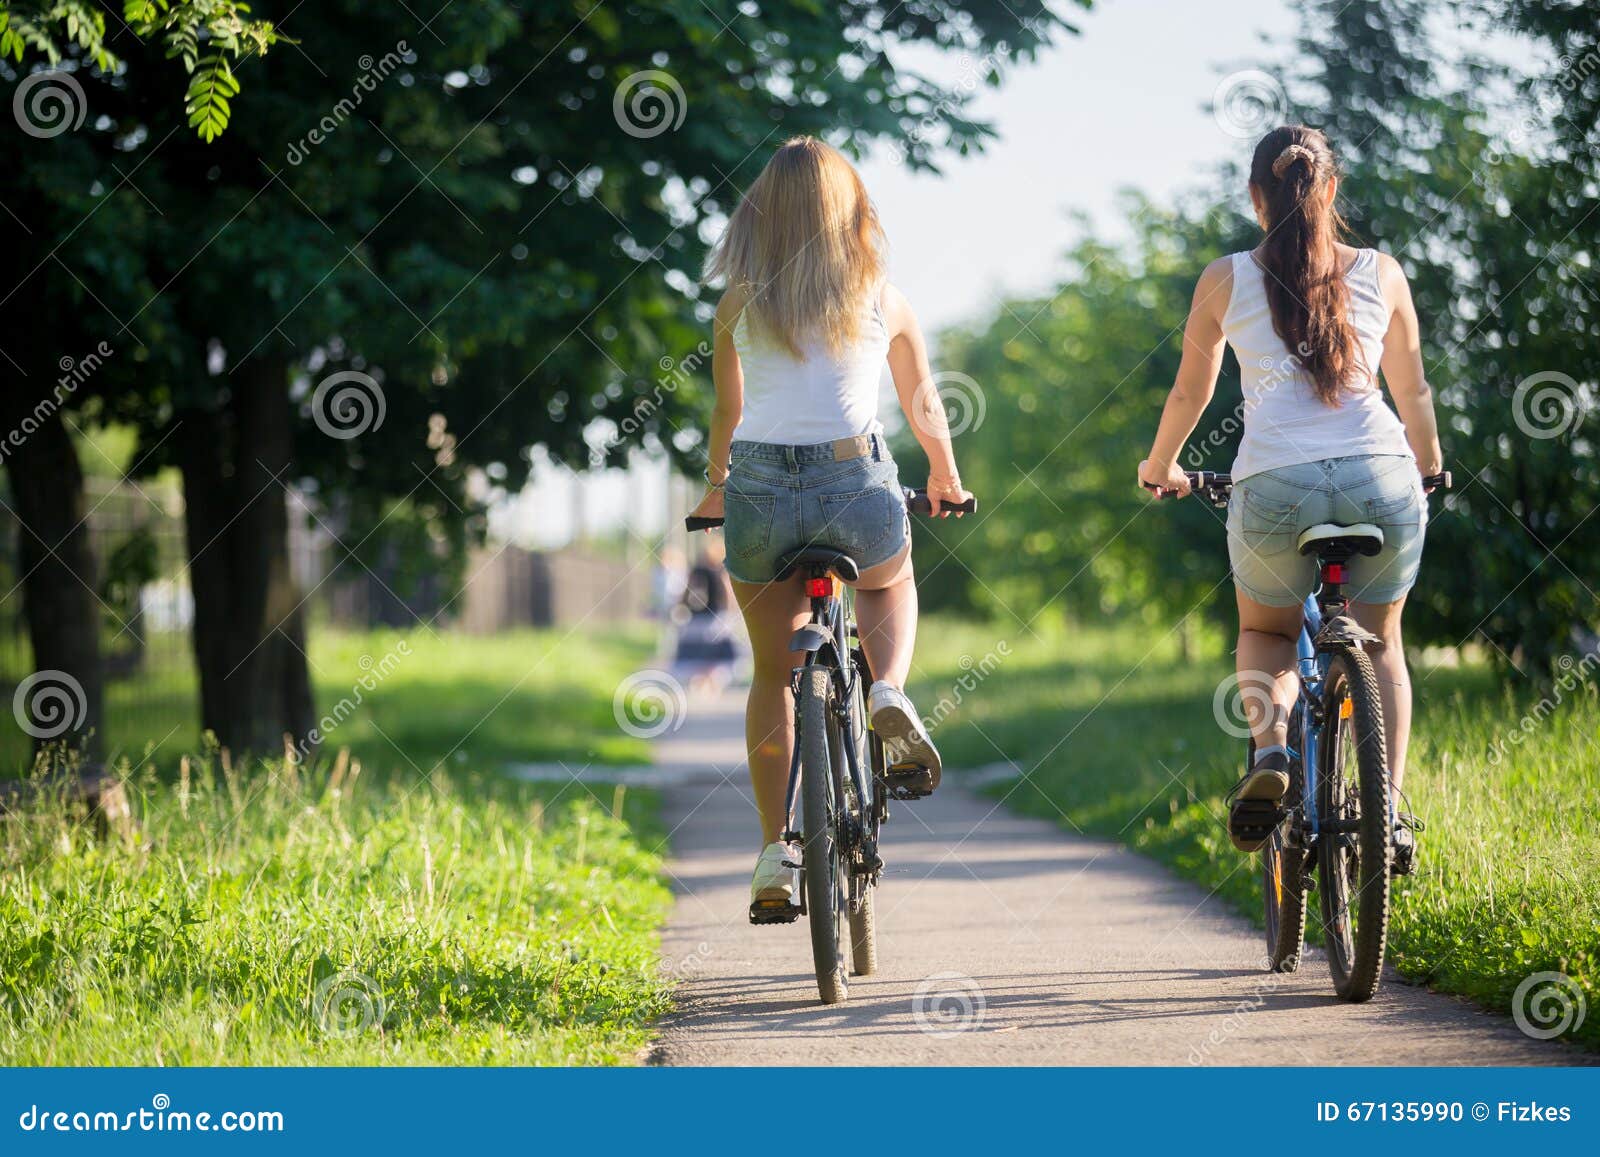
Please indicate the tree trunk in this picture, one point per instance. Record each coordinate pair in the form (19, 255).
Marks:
(58, 587)
(249, 626)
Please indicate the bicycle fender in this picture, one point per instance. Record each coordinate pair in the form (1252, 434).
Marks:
(1343, 631)
(810, 638)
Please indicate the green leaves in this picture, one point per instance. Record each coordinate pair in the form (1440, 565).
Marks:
(207, 99)
(205, 35)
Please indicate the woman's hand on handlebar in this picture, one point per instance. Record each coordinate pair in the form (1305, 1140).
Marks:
(945, 491)
(711, 506)
(1163, 480)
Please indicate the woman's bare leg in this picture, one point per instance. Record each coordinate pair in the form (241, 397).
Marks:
(1394, 680)
(773, 612)
(886, 615)
(1267, 679)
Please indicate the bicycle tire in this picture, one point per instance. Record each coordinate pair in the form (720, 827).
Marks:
(1283, 885)
(864, 935)
(1361, 857)
(820, 861)
(863, 925)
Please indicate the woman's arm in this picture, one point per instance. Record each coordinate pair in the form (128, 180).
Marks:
(919, 399)
(1196, 382)
(1402, 368)
(728, 377)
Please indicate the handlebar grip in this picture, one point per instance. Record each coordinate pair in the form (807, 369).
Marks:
(1441, 481)
(692, 523)
(917, 502)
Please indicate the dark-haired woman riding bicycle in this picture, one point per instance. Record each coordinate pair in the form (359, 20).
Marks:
(1311, 321)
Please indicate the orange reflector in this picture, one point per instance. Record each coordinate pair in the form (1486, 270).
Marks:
(1346, 709)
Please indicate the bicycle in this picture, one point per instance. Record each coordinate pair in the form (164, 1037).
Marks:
(1336, 820)
(837, 774)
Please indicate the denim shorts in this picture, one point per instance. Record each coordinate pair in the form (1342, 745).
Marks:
(1269, 510)
(779, 498)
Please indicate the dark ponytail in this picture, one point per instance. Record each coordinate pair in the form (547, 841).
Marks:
(1306, 290)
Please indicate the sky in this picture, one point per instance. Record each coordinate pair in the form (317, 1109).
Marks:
(1125, 104)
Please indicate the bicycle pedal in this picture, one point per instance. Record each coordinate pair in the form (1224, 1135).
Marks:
(773, 912)
(1254, 820)
(908, 782)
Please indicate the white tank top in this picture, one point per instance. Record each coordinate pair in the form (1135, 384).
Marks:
(818, 398)
(1285, 424)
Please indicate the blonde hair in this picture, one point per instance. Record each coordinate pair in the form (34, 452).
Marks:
(806, 245)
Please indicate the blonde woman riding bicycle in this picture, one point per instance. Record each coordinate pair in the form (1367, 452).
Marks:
(797, 455)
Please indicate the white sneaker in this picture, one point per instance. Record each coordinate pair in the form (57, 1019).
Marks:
(900, 728)
(773, 879)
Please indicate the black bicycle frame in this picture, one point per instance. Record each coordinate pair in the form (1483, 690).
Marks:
(827, 617)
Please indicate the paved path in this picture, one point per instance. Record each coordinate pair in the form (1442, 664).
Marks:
(1007, 941)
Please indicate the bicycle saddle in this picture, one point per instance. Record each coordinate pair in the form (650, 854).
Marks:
(822, 558)
(1338, 543)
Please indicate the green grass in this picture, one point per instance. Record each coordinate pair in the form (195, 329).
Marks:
(1124, 743)
(523, 695)
(311, 915)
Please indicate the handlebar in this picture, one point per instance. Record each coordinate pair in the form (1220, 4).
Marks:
(917, 502)
(1216, 488)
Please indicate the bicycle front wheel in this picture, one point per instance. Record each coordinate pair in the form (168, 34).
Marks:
(820, 794)
(1353, 814)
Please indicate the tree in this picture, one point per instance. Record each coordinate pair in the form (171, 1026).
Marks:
(1072, 385)
(485, 222)
(48, 358)
(206, 35)
(1494, 226)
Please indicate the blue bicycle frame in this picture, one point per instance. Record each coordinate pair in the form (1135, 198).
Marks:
(1313, 669)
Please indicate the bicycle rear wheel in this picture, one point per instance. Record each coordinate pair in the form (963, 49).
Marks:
(1353, 812)
(1283, 886)
(821, 796)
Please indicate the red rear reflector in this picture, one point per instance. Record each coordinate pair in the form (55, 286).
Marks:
(819, 588)
(1336, 572)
